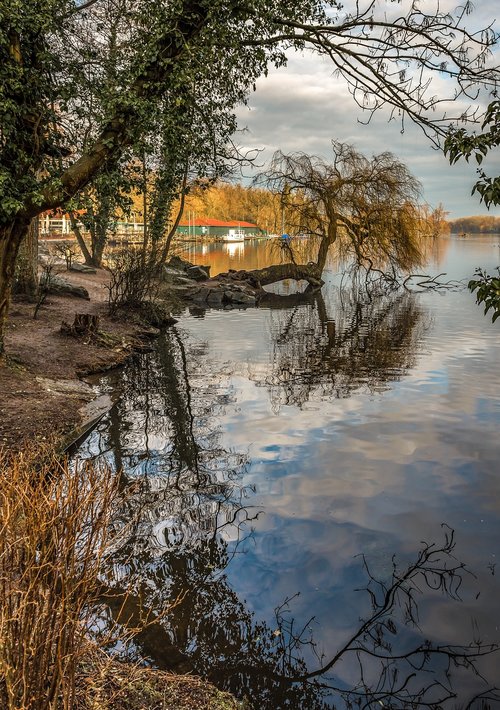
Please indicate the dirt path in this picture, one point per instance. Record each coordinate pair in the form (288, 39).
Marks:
(41, 392)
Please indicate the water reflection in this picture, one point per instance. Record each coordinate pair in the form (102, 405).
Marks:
(189, 512)
(156, 439)
(235, 249)
(184, 515)
(434, 250)
(359, 343)
(257, 253)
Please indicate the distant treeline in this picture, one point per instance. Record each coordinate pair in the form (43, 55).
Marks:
(479, 224)
(260, 206)
(230, 202)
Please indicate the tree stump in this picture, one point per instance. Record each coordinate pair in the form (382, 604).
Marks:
(84, 324)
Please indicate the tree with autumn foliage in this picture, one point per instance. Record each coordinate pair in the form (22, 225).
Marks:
(233, 202)
(366, 208)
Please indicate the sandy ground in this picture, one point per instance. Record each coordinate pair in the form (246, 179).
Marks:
(41, 388)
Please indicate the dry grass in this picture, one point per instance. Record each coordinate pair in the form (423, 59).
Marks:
(54, 536)
(107, 684)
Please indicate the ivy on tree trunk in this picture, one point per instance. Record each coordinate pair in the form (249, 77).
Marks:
(26, 278)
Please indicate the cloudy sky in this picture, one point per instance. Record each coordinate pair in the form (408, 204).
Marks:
(302, 107)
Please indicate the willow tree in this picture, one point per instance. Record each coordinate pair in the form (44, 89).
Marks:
(367, 208)
(386, 57)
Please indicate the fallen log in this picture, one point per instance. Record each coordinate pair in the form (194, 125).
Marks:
(280, 272)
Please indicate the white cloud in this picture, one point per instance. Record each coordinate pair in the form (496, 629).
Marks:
(303, 107)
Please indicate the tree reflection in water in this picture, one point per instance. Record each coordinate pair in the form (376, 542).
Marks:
(185, 512)
(363, 343)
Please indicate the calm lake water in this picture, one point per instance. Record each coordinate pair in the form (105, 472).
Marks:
(266, 451)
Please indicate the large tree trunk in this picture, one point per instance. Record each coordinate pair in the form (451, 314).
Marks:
(81, 241)
(26, 279)
(99, 239)
(11, 237)
(326, 242)
(279, 272)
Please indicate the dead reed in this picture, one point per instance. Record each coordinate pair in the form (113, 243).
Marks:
(104, 683)
(56, 543)
(54, 532)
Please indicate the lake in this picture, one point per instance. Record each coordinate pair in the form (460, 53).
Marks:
(284, 466)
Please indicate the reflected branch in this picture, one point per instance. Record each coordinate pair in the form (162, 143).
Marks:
(397, 676)
(364, 343)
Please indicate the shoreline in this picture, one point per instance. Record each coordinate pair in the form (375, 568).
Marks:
(45, 397)
(43, 388)
(44, 394)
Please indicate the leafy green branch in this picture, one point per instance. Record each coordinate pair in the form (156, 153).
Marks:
(487, 291)
(460, 144)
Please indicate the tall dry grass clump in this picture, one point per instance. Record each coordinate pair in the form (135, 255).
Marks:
(54, 529)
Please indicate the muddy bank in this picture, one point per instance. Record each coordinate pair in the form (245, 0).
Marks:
(42, 395)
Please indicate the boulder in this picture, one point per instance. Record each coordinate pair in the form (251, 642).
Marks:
(197, 311)
(215, 297)
(240, 298)
(176, 278)
(187, 292)
(180, 264)
(59, 285)
(201, 294)
(82, 268)
(198, 273)
(171, 273)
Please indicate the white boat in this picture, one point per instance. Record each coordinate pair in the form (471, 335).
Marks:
(234, 235)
